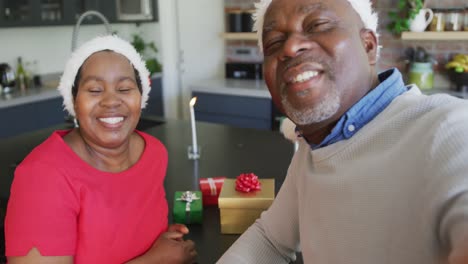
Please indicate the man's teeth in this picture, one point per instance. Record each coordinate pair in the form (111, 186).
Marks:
(111, 120)
(305, 76)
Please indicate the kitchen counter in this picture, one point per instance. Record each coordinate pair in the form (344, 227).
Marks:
(250, 88)
(47, 91)
(29, 96)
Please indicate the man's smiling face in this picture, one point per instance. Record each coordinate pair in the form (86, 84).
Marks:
(317, 60)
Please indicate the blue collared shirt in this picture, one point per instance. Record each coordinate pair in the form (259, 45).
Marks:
(391, 85)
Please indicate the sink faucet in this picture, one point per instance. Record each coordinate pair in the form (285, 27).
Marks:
(81, 18)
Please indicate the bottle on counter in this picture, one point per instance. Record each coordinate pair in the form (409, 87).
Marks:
(21, 75)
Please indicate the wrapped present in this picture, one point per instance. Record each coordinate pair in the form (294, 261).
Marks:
(210, 188)
(239, 210)
(188, 207)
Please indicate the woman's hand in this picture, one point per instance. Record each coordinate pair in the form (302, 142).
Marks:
(170, 248)
(179, 228)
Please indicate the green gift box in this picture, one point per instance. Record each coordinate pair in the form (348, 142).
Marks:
(188, 207)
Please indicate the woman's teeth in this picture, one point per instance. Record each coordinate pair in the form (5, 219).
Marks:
(305, 76)
(111, 120)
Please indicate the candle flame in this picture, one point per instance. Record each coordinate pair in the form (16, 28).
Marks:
(193, 101)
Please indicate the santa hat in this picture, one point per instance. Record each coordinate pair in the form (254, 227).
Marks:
(79, 56)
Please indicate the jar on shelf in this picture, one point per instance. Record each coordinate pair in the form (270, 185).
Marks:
(454, 19)
(438, 22)
(247, 20)
(465, 24)
(234, 20)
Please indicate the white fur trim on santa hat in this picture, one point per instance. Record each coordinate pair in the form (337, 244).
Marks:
(78, 57)
(288, 128)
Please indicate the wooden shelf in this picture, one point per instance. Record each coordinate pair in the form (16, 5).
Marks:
(240, 36)
(456, 35)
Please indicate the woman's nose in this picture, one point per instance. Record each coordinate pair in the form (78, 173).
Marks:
(111, 99)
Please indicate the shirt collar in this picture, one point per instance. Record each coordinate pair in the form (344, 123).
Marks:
(391, 85)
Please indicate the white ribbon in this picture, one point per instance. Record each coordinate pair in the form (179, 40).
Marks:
(212, 184)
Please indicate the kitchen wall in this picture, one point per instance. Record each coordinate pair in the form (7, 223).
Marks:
(393, 47)
(187, 36)
(51, 46)
(192, 49)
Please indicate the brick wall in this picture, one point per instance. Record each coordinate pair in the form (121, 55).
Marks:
(393, 47)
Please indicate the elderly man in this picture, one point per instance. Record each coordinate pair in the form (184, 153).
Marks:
(381, 173)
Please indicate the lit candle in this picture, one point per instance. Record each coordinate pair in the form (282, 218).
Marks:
(192, 121)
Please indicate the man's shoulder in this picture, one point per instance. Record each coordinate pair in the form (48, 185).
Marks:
(414, 103)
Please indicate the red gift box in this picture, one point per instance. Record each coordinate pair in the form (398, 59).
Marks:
(210, 188)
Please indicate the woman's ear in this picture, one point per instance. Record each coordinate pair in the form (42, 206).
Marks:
(369, 41)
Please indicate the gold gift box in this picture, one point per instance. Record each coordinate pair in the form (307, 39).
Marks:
(239, 210)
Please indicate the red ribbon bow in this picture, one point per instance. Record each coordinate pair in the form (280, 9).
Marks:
(247, 182)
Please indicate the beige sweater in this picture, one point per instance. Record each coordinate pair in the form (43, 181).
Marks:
(396, 192)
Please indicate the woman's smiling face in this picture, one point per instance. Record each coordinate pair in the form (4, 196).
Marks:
(108, 101)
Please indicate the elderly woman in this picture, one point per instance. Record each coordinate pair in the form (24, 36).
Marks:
(95, 194)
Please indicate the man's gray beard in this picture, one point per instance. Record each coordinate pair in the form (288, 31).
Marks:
(314, 114)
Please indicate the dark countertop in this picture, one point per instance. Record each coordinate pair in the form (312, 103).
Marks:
(226, 151)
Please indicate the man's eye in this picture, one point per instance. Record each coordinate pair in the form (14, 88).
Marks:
(271, 46)
(318, 26)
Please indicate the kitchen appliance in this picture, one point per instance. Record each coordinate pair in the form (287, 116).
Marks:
(134, 10)
(7, 78)
(243, 53)
(252, 71)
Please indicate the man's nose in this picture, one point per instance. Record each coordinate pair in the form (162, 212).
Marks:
(295, 45)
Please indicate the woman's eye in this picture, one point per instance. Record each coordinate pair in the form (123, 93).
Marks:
(125, 89)
(95, 90)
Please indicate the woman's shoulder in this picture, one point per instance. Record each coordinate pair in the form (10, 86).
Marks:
(53, 149)
(46, 161)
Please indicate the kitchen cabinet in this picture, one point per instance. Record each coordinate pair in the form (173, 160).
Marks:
(234, 110)
(26, 13)
(155, 106)
(31, 116)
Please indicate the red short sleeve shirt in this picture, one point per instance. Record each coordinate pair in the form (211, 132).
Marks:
(63, 206)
